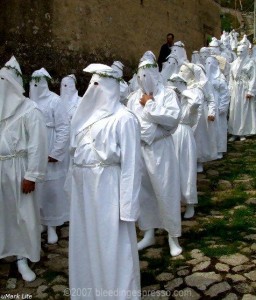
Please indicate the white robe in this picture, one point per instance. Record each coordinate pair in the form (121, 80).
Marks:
(54, 206)
(160, 189)
(185, 146)
(222, 104)
(242, 113)
(72, 106)
(103, 254)
(22, 138)
(205, 131)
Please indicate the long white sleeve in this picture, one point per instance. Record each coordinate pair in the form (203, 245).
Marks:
(130, 180)
(166, 114)
(62, 132)
(37, 150)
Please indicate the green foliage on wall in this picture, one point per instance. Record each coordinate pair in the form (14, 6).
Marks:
(229, 22)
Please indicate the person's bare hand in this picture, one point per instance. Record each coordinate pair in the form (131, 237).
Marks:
(211, 118)
(144, 99)
(249, 97)
(51, 159)
(28, 186)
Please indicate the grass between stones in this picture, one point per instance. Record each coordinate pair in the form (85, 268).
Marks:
(223, 218)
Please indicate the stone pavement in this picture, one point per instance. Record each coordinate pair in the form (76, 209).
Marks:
(219, 257)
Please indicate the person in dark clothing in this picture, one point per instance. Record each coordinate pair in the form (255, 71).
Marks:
(165, 50)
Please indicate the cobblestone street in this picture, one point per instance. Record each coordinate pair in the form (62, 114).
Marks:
(219, 244)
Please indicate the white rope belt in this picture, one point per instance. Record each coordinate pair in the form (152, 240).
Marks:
(100, 164)
(11, 156)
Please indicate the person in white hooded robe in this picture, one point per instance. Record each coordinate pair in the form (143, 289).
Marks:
(23, 160)
(215, 50)
(69, 94)
(242, 86)
(54, 207)
(205, 128)
(222, 97)
(69, 97)
(105, 183)
(190, 101)
(158, 111)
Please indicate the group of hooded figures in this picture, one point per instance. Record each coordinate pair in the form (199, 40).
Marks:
(122, 153)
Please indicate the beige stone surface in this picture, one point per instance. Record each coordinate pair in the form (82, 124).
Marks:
(120, 28)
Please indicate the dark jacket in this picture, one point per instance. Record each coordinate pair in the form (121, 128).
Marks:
(164, 52)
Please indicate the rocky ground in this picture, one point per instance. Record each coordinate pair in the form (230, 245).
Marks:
(219, 257)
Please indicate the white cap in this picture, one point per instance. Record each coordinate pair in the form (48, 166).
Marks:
(101, 69)
(41, 73)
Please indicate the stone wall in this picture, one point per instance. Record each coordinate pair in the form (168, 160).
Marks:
(66, 35)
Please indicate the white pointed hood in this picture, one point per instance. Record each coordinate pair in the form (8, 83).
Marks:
(101, 99)
(68, 91)
(118, 67)
(179, 50)
(38, 89)
(212, 68)
(170, 67)
(148, 56)
(204, 53)
(148, 77)
(11, 90)
(214, 46)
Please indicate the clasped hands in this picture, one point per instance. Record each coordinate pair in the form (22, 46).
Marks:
(211, 118)
(145, 97)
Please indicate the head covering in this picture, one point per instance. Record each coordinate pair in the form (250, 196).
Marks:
(11, 89)
(204, 53)
(195, 59)
(148, 77)
(68, 91)
(118, 67)
(193, 75)
(186, 72)
(169, 68)
(244, 41)
(212, 68)
(178, 49)
(39, 90)
(100, 100)
(242, 51)
(177, 83)
(148, 56)
(214, 46)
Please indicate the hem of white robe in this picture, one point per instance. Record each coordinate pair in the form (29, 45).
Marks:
(192, 201)
(148, 228)
(242, 133)
(203, 160)
(31, 258)
(55, 221)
